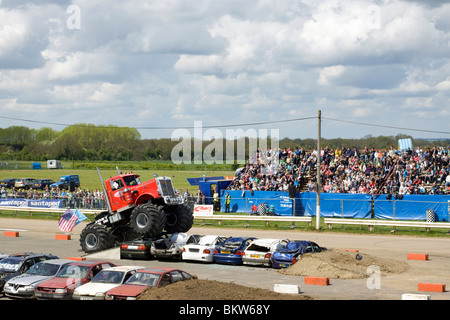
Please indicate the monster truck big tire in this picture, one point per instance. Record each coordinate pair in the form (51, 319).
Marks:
(148, 220)
(96, 237)
(179, 218)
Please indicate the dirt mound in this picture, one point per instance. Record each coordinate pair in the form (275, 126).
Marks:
(340, 264)
(196, 289)
(334, 264)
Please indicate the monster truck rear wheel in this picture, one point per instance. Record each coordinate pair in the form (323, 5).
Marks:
(179, 218)
(148, 220)
(96, 237)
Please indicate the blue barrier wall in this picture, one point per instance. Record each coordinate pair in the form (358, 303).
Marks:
(243, 201)
(331, 205)
(342, 205)
(337, 205)
(412, 207)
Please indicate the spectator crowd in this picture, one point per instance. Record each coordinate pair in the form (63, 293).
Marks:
(78, 199)
(347, 170)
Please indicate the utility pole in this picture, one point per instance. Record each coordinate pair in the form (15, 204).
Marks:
(318, 187)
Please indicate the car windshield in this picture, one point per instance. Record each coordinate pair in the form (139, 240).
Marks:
(43, 269)
(107, 276)
(293, 247)
(256, 247)
(144, 279)
(74, 271)
(10, 265)
(232, 244)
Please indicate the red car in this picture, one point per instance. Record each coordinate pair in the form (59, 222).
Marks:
(144, 278)
(73, 275)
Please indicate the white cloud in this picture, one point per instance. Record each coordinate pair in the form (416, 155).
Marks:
(169, 63)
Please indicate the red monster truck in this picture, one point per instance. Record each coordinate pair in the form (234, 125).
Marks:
(136, 210)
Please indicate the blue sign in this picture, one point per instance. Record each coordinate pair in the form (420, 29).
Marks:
(27, 203)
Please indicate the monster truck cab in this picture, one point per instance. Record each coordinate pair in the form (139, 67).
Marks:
(126, 191)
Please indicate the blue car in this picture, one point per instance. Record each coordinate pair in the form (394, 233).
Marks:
(231, 250)
(291, 253)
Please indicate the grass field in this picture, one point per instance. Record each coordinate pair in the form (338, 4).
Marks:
(89, 178)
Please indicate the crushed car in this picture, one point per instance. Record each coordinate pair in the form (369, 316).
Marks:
(171, 245)
(137, 249)
(145, 278)
(73, 275)
(293, 252)
(15, 265)
(24, 286)
(231, 250)
(202, 250)
(260, 251)
(104, 281)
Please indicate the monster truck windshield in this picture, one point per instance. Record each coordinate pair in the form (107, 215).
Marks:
(131, 180)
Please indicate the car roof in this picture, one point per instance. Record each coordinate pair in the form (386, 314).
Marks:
(267, 241)
(238, 239)
(158, 269)
(297, 244)
(89, 262)
(56, 261)
(31, 255)
(122, 268)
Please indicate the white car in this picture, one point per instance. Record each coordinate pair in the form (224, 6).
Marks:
(104, 280)
(259, 251)
(24, 285)
(203, 250)
(171, 245)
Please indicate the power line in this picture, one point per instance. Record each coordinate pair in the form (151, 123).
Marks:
(385, 126)
(230, 125)
(233, 125)
(168, 128)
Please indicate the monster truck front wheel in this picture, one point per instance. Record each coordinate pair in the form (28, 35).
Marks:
(96, 237)
(148, 220)
(179, 218)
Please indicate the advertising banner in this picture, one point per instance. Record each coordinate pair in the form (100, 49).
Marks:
(203, 209)
(42, 203)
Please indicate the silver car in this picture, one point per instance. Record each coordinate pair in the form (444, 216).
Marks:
(23, 286)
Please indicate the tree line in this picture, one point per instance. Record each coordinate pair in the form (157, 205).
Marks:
(112, 143)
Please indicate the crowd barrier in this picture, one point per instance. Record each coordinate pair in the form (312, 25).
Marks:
(332, 205)
(341, 205)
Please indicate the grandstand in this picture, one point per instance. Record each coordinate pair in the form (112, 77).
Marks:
(346, 170)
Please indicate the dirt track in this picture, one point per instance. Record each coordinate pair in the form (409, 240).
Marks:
(39, 236)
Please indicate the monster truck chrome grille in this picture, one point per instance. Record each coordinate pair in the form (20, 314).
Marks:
(166, 187)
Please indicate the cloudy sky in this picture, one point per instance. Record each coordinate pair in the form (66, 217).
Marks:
(168, 63)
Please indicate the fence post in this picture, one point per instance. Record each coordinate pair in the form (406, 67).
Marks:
(393, 209)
